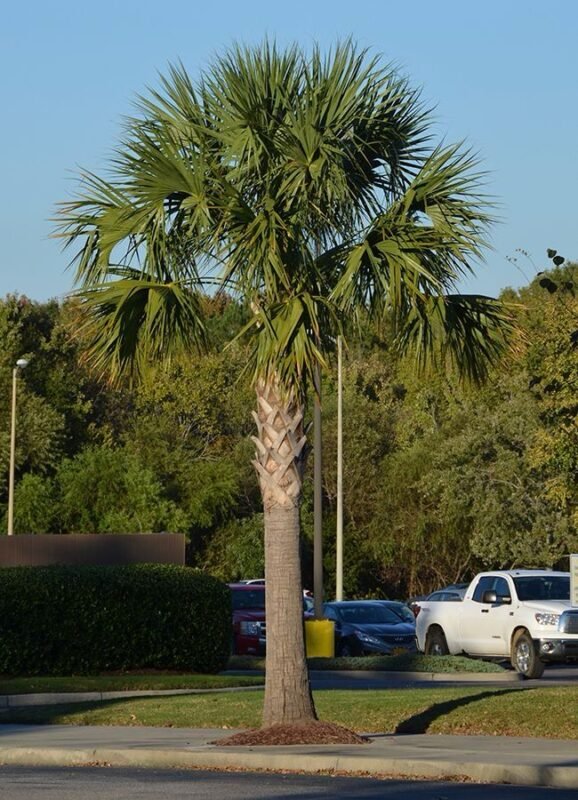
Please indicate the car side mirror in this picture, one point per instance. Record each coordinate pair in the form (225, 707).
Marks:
(492, 598)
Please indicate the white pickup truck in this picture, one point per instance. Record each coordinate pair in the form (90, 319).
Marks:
(523, 616)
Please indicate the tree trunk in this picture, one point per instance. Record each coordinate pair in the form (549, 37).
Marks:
(279, 464)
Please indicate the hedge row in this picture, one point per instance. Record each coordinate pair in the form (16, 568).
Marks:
(84, 620)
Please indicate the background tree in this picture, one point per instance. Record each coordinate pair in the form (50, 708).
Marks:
(552, 363)
(307, 186)
(105, 490)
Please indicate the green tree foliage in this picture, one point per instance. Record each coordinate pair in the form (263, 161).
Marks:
(438, 480)
(236, 550)
(35, 505)
(552, 366)
(109, 491)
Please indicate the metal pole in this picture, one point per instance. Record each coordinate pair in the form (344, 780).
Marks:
(339, 531)
(12, 456)
(317, 502)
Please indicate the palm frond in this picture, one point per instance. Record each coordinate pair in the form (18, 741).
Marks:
(471, 332)
(132, 321)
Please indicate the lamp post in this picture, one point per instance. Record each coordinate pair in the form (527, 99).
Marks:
(339, 528)
(20, 364)
(317, 501)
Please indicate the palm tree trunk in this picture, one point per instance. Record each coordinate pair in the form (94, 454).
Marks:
(279, 464)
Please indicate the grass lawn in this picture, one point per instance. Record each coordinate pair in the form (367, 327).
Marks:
(549, 712)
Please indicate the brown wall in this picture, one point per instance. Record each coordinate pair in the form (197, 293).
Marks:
(92, 548)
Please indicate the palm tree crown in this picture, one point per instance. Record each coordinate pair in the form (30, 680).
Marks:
(308, 187)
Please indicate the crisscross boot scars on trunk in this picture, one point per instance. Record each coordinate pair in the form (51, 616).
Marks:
(279, 463)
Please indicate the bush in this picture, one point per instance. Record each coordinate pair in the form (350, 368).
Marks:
(64, 620)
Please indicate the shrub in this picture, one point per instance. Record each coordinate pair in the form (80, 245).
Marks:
(65, 620)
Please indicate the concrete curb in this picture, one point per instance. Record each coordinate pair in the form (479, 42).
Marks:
(311, 762)
(417, 677)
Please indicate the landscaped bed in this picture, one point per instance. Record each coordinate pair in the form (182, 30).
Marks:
(400, 663)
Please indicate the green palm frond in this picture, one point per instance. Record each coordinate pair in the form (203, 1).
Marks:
(471, 332)
(423, 242)
(131, 321)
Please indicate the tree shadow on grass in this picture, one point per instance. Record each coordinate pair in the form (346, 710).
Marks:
(419, 723)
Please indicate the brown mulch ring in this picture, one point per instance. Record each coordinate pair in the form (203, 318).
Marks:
(315, 732)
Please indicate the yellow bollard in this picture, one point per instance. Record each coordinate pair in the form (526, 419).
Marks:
(319, 638)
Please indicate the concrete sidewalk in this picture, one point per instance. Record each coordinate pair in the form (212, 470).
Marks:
(488, 759)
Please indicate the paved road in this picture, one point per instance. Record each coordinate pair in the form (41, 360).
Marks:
(555, 675)
(560, 673)
(89, 783)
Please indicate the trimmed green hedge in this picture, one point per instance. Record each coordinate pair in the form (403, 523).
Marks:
(81, 620)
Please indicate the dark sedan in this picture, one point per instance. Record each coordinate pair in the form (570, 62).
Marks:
(366, 627)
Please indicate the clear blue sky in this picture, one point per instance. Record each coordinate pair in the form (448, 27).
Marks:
(502, 74)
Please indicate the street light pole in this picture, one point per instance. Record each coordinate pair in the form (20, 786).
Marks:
(317, 501)
(339, 531)
(20, 364)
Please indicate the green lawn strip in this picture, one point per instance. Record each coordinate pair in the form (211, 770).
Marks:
(550, 712)
(129, 682)
(401, 663)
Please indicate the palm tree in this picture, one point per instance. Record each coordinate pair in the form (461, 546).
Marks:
(309, 187)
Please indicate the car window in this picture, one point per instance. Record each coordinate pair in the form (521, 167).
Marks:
(501, 587)
(485, 584)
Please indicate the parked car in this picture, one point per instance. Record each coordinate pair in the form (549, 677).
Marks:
(369, 627)
(249, 626)
(455, 592)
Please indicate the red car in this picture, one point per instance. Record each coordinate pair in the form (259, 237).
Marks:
(249, 628)
(248, 619)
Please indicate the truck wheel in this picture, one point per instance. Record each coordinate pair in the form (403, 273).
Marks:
(524, 656)
(435, 643)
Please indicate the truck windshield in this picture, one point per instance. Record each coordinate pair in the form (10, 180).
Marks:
(545, 587)
(248, 598)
